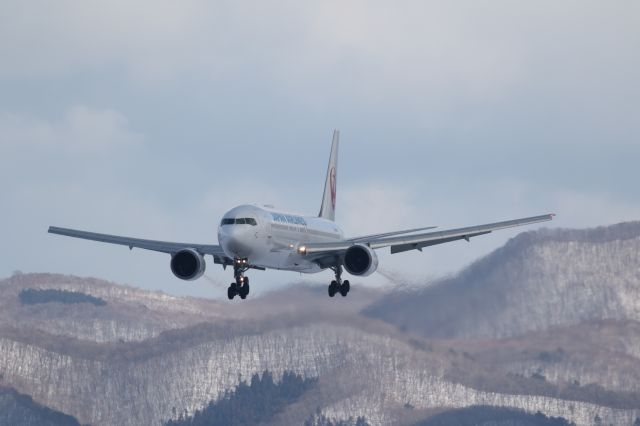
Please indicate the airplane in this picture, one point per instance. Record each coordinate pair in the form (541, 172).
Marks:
(260, 237)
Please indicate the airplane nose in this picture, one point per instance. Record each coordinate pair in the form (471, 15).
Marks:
(236, 241)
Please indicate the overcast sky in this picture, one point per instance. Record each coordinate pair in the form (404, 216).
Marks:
(152, 118)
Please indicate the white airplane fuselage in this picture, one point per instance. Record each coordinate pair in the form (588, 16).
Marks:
(269, 238)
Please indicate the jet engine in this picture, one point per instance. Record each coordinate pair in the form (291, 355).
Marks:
(360, 260)
(188, 264)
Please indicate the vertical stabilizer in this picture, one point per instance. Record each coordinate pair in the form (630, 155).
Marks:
(328, 208)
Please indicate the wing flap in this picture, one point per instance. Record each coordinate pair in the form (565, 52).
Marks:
(399, 248)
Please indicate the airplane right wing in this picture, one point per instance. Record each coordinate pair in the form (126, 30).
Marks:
(162, 246)
(326, 252)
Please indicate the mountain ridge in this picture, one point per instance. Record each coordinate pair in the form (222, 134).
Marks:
(149, 357)
(533, 267)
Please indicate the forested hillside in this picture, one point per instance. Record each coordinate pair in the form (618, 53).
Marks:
(547, 324)
(538, 280)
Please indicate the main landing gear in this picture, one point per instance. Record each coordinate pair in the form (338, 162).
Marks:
(337, 285)
(241, 285)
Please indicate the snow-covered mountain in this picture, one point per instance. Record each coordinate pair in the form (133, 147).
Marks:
(538, 280)
(547, 323)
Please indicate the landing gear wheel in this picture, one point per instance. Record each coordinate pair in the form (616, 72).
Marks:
(344, 288)
(337, 285)
(244, 290)
(333, 288)
(241, 286)
(232, 291)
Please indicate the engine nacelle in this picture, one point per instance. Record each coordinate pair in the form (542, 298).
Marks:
(360, 260)
(188, 264)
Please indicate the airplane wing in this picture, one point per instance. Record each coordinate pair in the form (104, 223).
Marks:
(162, 246)
(366, 238)
(326, 252)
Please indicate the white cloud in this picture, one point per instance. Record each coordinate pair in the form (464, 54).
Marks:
(81, 128)
(368, 207)
(85, 146)
(420, 54)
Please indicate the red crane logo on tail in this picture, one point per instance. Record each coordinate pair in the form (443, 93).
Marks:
(332, 178)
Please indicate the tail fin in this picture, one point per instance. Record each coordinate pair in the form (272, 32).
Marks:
(328, 208)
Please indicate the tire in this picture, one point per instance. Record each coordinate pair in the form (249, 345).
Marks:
(244, 290)
(231, 291)
(333, 288)
(344, 288)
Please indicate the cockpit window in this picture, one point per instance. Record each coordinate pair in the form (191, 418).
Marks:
(239, 221)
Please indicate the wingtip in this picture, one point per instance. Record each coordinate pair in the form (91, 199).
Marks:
(54, 230)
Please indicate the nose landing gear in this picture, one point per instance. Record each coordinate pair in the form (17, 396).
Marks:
(337, 285)
(241, 285)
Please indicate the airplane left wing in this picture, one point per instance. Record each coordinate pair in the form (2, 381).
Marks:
(162, 246)
(324, 252)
